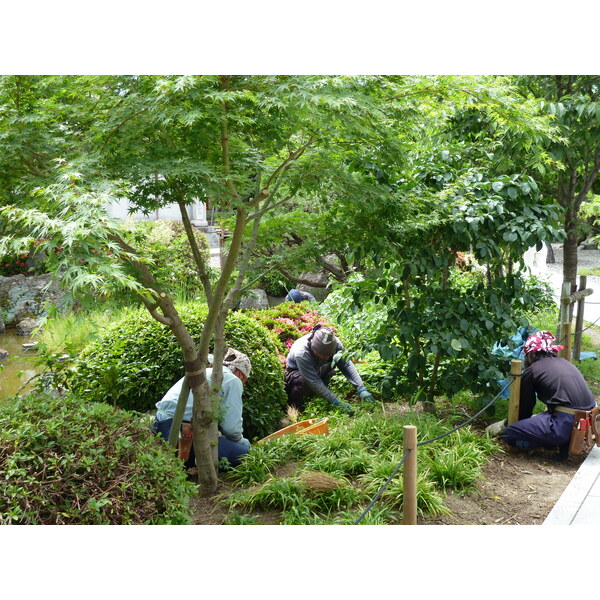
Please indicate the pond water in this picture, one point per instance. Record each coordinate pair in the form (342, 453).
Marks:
(18, 360)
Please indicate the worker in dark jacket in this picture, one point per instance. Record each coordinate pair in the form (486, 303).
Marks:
(295, 295)
(310, 366)
(555, 382)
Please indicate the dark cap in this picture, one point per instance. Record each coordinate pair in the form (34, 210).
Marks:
(324, 342)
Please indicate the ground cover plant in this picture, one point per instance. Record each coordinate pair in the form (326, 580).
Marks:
(63, 461)
(332, 479)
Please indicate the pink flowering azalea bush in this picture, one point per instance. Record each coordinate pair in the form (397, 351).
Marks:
(287, 322)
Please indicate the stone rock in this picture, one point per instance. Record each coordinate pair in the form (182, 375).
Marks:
(2, 325)
(22, 297)
(589, 244)
(320, 293)
(3, 354)
(254, 299)
(26, 326)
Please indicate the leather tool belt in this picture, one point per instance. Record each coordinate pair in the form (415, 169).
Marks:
(586, 428)
(184, 445)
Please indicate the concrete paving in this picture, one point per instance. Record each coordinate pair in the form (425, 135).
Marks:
(580, 502)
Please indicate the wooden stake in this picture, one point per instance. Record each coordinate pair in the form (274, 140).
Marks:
(515, 391)
(566, 331)
(410, 476)
(579, 320)
(564, 308)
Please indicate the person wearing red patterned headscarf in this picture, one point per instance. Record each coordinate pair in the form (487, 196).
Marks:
(559, 385)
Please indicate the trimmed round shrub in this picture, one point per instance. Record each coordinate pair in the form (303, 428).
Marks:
(137, 360)
(67, 462)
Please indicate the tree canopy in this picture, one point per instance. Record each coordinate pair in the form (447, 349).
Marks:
(380, 177)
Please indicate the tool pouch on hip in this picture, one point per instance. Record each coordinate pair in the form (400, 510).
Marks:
(184, 445)
(578, 433)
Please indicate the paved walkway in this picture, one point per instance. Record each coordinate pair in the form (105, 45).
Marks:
(580, 502)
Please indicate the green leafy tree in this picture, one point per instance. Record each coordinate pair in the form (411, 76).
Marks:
(572, 175)
(450, 191)
(249, 144)
(447, 126)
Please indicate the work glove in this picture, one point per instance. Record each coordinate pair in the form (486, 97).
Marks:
(496, 429)
(364, 394)
(343, 406)
(337, 357)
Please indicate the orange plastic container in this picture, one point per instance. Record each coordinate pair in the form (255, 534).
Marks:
(320, 428)
(308, 427)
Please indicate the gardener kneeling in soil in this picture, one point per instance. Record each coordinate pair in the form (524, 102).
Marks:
(559, 385)
(232, 444)
(310, 366)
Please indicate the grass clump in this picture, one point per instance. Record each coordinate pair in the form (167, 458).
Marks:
(335, 477)
(65, 462)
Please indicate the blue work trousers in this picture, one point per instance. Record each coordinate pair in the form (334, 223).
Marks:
(232, 451)
(543, 430)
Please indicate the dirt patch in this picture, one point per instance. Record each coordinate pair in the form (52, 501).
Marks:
(515, 489)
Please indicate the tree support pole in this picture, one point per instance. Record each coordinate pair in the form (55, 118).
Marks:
(564, 308)
(409, 516)
(566, 353)
(579, 320)
(514, 400)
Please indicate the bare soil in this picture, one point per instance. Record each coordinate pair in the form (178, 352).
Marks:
(516, 489)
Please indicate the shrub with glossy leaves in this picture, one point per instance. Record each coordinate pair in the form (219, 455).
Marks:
(137, 360)
(63, 461)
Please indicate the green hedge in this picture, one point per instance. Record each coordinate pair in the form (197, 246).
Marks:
(63, 461)
(137, 360)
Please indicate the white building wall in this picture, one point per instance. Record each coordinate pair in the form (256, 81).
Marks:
(196, 212)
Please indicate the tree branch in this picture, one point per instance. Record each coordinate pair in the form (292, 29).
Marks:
(139, 112)
(333, 269)
(198, 258)
(302, 280)
(295, 155)
(590, 179)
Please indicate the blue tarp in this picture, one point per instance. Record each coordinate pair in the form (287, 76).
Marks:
(516, 353)
(518, 341)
